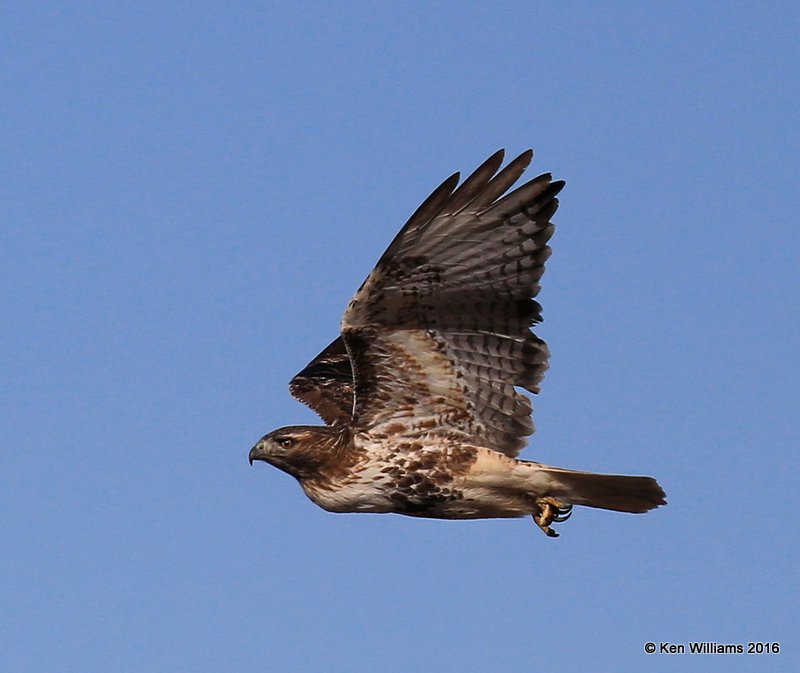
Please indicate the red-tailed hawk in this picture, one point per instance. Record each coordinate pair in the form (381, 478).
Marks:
(419, 391)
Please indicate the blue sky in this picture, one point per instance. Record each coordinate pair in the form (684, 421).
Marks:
(190, 194)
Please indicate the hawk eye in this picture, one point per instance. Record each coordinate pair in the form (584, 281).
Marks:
(286, 443)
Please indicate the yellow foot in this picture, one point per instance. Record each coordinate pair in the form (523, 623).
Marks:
(550, 510)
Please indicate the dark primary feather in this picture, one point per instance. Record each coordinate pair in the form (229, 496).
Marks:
(439, 333)
(429, 208)
(326, 384)
(474, 184)
(503, 180)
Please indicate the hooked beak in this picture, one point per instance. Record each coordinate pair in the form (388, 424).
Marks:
(255, 454)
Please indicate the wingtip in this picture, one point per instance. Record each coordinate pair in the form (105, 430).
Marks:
(523, 160)
(498, 155)
(553, 186)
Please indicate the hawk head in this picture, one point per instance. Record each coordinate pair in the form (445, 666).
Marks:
(296, 449)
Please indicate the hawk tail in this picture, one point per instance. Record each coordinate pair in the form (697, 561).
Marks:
(617, 492)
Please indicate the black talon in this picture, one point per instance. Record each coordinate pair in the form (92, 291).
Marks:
(548, 513)
(562, 514)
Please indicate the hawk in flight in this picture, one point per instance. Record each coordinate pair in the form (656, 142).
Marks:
(419, 393)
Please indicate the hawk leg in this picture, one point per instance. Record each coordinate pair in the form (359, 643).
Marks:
(550, 510)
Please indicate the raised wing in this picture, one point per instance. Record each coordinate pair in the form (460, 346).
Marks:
(439, 333)
(326, 384)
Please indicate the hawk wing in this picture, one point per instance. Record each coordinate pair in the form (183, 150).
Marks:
(439, 333)
(326, 384)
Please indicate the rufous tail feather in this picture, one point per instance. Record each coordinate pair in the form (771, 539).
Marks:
(605, 491)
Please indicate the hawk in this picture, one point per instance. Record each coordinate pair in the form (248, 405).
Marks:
(419, 392)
